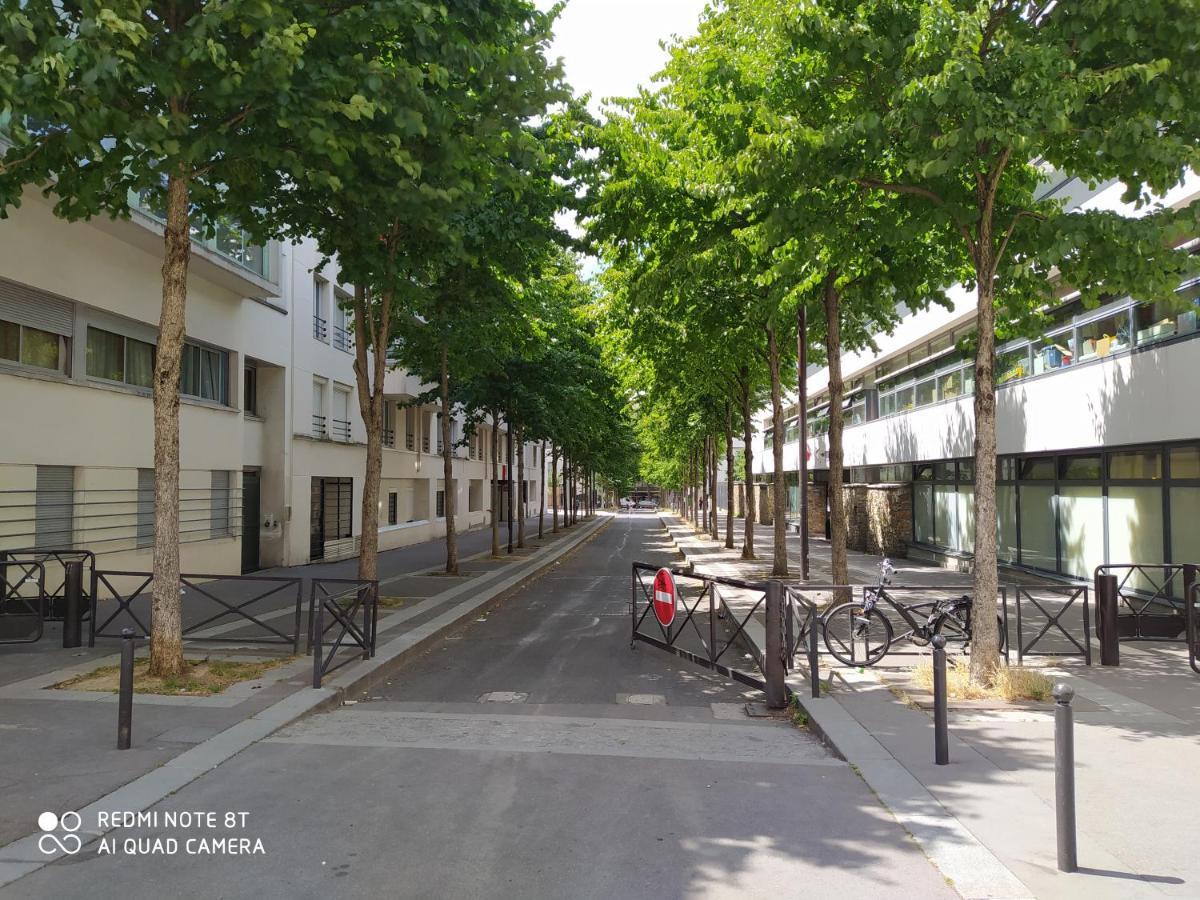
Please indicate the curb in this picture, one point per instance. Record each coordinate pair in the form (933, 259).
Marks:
(972, 869)
(23, 857)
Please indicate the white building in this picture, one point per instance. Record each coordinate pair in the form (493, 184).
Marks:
(272, 445)
(1097, 427)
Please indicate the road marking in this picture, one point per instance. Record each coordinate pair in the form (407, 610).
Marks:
(642, 699)
(571, 735)
(504, 697)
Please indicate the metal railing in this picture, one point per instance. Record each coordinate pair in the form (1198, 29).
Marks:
(320, 328)
(1150, 598)
(341, 430)
(410, 441)
(1193, 628)
(22, 601)
(216, 608)
(389, 437)
(55, 563)
(1055, 626)
(342, 339)
(318, 427)
(335, 607)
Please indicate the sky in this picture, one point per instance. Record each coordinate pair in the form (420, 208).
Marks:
(609, 47)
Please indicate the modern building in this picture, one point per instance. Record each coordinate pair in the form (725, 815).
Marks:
(271, 441)
(1097, 430)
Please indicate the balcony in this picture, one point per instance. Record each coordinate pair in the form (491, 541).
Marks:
(318, 427)
(341, 430)
(320, 329)
(389, 437)
(227, 239)
(410, 441)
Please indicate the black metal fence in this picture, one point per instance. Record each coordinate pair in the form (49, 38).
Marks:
(1151, 599)
(1047, 611)
(1193, 628)
(239, 609)
(55, 562)
(343, 613)
(22, 601)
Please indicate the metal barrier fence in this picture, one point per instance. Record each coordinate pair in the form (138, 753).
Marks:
(55, 597)
(1055, 625)
(228, 605)
(22, 601)
(342, 600)
(1193, 628)
(1151, 599)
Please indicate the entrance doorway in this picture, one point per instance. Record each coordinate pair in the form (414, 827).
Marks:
(332, 511)
(251, 514)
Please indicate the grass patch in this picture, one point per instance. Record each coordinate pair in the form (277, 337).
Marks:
(202, 678)
(798, 715)
(1008, 682)
(396, 602)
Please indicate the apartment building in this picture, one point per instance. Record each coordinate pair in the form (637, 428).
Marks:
(271, 441)
(1098, 437)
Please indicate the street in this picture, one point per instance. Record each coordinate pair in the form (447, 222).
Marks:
(531, 754)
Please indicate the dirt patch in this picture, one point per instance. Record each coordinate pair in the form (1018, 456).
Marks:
(397, 602)
(1009, 682)
(203, 678)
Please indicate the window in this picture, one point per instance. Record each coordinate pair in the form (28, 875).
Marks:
(114, 357)
(1156, 322)
(1137, 466)
(1185, 462)
(1037, 468)
(145, 507)
(320, 309)
(218, 508)
(441, 503)
(1101, 337)
(341, 414)
(54, 513)
(1012, 364)
(205, 374)
(389, 426)
(393, 512)
(319, 428)
(1080, 468)
(31, 346)
(1055, 351)
(250, 391)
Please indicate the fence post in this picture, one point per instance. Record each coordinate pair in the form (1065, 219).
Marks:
(773, 653)
(941, 730)
(318, 629)
(73, 604)
(125, 692)
(1106, 620)
(1064, 777)
(814, 668)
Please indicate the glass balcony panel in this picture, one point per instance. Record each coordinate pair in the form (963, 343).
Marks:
(1012, 365)
(1105, 336)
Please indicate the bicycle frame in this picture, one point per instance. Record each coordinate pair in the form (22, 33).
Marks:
(873, 595)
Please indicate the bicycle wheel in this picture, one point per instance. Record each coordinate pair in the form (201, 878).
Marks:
(854, 636)
(955, 625)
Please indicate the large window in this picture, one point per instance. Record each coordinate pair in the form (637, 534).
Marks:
(31, 346)
(115, 357)
(205, 373)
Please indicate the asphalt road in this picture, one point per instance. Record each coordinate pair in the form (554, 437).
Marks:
(532, 754)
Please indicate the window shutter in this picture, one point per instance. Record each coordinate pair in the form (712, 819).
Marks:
(54, 522)
(36, 309)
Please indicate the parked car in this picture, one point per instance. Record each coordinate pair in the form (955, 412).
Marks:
(647, 504)
(626, 503)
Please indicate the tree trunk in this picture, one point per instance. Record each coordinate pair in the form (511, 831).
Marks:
(542, 485)
(779, 565)
(837, 500)
(714, 529)
(521, 494)
(508, 466)
(370, 333)
(748, 467)
(166, 616)
(495, 484)
(728, 475)
(702, 450)
(802, 397)
(985, 637)
(554, 487)
(449, 490)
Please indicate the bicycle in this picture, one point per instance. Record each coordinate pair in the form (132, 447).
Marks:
(852, 625)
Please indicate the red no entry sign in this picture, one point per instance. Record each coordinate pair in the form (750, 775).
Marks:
(664, 597)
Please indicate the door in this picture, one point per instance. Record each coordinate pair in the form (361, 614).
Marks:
(251, 517)
(332, 505)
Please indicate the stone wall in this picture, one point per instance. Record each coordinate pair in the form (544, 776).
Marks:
(879, 518)
(817, 492)
(765, 504)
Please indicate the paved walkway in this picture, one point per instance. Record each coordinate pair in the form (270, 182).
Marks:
(1137, 756)
(532, 754)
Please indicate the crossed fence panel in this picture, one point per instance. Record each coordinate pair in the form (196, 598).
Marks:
(335, 606)
(1055, 625)
(55, 597)
(22, 601)
(231, 611)
(1152, 597)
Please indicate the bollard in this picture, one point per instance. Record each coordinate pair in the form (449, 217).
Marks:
(814, 668)
(125, 693)
(73, 604)
(774, 651)
(1064, 777)
(1106, 620)
(941, 730)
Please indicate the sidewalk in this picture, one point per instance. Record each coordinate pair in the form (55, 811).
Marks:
(60, 744)
(1137, 750)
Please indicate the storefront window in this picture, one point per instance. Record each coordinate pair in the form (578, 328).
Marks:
(1185, 535)
(923, 513)
(1139, 465)
(1080, 468)
(1080, 511)
(1185, 462)
(1006, 521)
(945, 515)
(1037, 527)
(1037, 468)
(1102, 337)
(1135, 532)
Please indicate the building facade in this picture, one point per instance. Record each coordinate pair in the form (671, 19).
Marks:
(1097, 428)
(272, 445)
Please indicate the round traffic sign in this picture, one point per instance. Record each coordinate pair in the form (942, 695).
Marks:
(664, 597)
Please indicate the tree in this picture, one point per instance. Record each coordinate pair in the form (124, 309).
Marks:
(959, 110)
(184, 109)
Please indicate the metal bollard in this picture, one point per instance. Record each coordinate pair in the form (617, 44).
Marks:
(1106, 624)
(125, 693)
(941, 729)
(774, 651)
(1064, 777)
(814, 668)
(73, 604)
